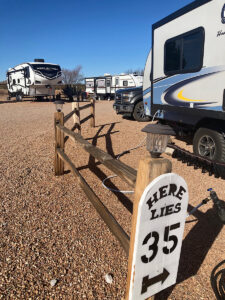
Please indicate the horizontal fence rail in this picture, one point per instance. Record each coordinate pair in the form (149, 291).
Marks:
(85, 119)
(102, 210)
(85, 106)
(125, 172)
(68, 116)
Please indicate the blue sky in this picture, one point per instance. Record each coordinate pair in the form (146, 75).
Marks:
(101, 36)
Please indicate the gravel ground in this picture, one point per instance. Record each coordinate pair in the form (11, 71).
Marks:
(53, 245)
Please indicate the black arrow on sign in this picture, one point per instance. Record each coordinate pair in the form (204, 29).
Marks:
(146, 282)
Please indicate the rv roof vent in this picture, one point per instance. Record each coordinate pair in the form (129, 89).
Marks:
(39, 60)
(122, 74)
(106, 74)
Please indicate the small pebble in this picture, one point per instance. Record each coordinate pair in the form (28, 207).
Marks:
(53, 282)
(108, 278)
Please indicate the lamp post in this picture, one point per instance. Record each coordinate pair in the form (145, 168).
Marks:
(149, 168)
(153, 165)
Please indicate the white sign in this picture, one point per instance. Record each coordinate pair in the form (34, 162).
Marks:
(159, 232)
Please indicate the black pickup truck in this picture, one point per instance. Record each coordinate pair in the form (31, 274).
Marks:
(130, 102)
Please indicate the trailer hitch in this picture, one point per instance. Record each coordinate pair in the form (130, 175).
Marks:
(218, 204)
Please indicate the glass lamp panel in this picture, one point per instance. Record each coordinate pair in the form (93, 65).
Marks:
(156, 143)
(59, 107)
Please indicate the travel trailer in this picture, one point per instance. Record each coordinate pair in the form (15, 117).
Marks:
(105, 86)
(90, 85)
(34, 79)
(124, 81)
(184, 77)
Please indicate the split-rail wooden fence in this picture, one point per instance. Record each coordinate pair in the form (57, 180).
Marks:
(147, 171)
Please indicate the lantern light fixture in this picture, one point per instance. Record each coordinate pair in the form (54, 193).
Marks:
(59, 105)
(157, 138)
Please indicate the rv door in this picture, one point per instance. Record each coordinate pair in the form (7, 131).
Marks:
(116, 83)
(108, 85)
(147, 84)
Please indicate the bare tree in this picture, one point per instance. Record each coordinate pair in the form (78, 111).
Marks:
(137, 71)
(72, 80)
(73, 76)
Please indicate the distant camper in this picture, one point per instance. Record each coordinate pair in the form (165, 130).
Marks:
(105, 86)
(35, 79)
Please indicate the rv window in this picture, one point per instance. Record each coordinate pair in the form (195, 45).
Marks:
(46, 70)
(18, 81)
(108, 82)
(125, 83)
(89, 83)
(14, 81)
(184, 53)
(101, 83)
(117, 81)
(172, 61)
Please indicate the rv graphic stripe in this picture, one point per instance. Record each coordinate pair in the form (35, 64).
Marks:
(181, 97)
(172, 98)
(188, 89)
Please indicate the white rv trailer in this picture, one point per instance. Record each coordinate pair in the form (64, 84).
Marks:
(184, 78)
(106, 86)
(34, 79)
(90, 85)
(103, 86)
(124, 81)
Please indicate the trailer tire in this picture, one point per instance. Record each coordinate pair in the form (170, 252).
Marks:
(40, 98)
(18, 97)
(139, 112)
(209, 143)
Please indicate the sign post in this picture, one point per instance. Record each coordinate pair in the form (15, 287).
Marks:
(158, 235)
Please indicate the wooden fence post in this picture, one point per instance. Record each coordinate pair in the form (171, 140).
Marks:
(76, 115)
(92, 120)
(59, 143)
(149, 168)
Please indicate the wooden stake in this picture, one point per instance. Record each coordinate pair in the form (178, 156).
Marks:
(76, 116)
(59, 143)
(149, 168)
(92, 120)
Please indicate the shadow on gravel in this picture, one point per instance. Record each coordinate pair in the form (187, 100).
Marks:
(106, 124)
(25, 100)
(102, 135)
(128, 117)
(37, 101)
(8, 102)
(187, 139)
(100, 174)
(195, 247)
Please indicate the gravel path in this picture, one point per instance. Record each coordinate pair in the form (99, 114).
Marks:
(53, 245)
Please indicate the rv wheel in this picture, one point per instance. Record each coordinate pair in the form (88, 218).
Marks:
(139, 113)
(18, 97)
(209, 143)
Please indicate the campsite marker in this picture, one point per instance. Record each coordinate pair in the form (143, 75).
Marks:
(161, 217)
